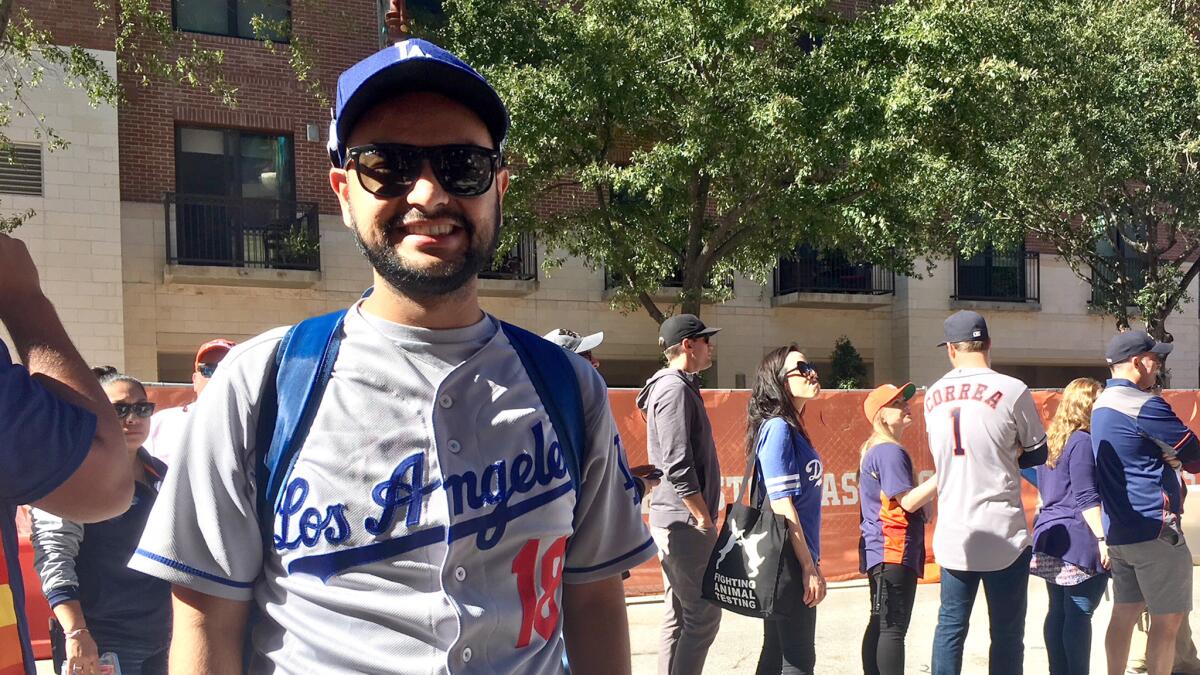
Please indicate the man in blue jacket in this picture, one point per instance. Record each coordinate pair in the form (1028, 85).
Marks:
(1136, 436)
(61, 448)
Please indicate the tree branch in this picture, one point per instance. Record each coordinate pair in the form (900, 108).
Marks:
(651, 307)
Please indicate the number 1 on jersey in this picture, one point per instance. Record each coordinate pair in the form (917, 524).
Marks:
(956, 421)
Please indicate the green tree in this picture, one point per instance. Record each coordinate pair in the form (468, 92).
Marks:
(1076, 121)
(848, 369)
(678, 140)
(148, 49)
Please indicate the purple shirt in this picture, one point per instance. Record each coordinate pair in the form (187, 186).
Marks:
(43, 440)
(889, 534)
(1067, 491)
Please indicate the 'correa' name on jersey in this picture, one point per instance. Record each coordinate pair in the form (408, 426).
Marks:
(957, 393)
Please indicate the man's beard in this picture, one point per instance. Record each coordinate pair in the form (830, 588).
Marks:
(442, 278)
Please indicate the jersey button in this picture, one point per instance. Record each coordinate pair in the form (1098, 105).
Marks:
(467, 654)
(460, 573)
(454, 446)
(445, 401)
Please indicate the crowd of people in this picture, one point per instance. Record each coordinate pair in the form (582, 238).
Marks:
(414, 486)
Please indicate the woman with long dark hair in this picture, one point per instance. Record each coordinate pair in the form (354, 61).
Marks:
(102, 605)
(790, 471)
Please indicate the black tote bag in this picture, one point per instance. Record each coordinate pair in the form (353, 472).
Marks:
(753, 569)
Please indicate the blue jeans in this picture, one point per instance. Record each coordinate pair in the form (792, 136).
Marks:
(1006, 592)
(1068, 627)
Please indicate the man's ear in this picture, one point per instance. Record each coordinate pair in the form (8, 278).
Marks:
(339, 180)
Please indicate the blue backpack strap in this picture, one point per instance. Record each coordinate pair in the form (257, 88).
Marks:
(553, 376)
(303, 364)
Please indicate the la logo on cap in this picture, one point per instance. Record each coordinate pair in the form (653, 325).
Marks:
(410, 49)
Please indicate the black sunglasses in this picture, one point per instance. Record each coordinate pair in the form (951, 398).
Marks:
(206, 369)
(391, 169)
(801, 368)
(140, 409)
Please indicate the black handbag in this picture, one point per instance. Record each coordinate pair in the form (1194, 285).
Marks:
(753, 569)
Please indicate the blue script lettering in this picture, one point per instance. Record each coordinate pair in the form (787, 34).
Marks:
(311, 525)
(396, 492)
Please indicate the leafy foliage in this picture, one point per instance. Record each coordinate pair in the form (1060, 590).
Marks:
(848, 369)
(677, 139)
(1076, 122)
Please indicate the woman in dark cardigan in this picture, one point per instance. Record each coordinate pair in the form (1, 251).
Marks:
(1068, 536)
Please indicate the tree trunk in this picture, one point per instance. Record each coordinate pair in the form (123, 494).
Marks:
(690, 298)
(6, 7)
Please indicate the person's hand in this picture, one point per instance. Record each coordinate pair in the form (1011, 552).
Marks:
(82, 656)
(648, 475)
(1173, 461)
(705, 525)
(18, 275)
(1104, 561)
(648, 484)
(814, 586)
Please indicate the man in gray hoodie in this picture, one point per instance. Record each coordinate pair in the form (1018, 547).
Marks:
(683, 508)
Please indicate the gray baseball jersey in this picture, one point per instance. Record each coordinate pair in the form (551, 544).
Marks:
(427, 524)
(979, 422)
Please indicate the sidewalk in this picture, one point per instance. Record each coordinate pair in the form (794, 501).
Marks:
(841, 619)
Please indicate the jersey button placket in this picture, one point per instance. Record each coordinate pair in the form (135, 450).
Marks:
(467, 654)
(460, 573)
(446, 401)
(454, 446)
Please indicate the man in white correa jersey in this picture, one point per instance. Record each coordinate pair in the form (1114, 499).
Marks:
(983, 429)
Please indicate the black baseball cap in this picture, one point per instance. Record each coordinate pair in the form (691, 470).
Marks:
(1129, 344)
(411, 65)
(682, 326)
(964, 326)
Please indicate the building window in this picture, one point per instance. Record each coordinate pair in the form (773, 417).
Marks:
(229, 17)
(999, 276)
(235, 204)
(1120, 258)
(21, 169)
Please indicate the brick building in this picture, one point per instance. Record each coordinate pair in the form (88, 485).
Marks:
(176, 219)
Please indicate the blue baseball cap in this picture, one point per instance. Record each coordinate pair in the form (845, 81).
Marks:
(963, 326)
(411, 65)
(1129, 344)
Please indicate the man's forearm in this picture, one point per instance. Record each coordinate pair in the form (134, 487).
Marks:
(102, 485)
(699, 508)
(596, 628)
(209, 634)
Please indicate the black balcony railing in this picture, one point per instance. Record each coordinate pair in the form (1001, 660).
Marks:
(236, 232)
(519, 264)
(808, 270)
(1134, 270)
(999, 277)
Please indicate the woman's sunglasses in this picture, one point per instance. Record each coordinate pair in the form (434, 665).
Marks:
(207, 369)
(140, 409)
(802, 368)
(391, 169)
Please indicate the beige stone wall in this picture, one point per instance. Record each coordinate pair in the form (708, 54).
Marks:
(896, 339)
(75, 237)
(173, 317)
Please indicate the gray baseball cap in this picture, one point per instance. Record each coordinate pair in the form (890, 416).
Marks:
(574, 342)
(964, 326)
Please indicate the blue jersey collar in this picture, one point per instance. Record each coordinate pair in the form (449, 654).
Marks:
(1120, 382)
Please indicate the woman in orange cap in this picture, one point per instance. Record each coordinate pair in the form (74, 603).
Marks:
(892, 545)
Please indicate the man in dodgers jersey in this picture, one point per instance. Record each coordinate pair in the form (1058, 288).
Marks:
(426, 526)
(983, 429)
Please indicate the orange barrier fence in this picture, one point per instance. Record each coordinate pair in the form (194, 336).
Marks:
(837, 427)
